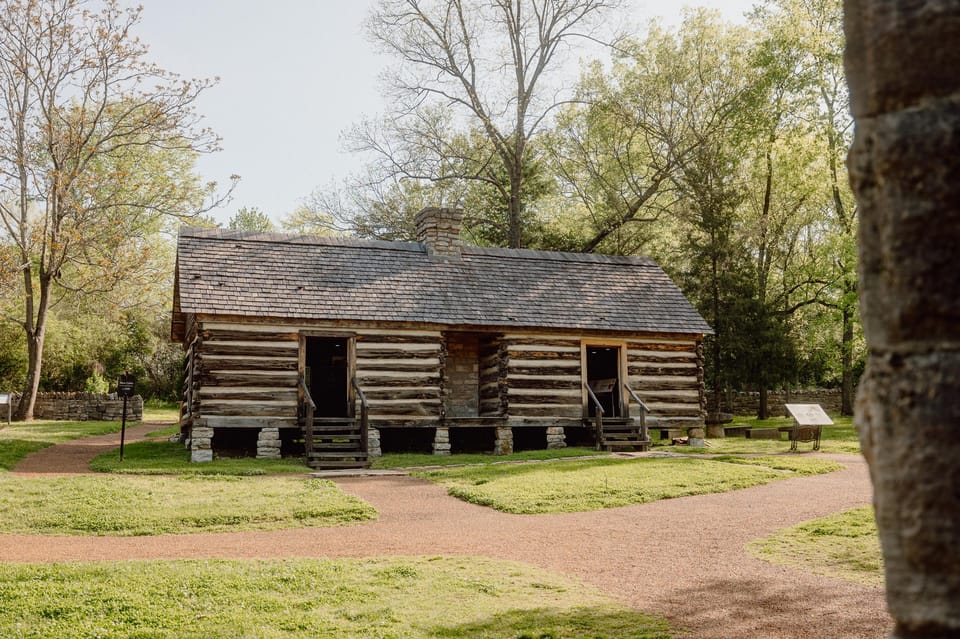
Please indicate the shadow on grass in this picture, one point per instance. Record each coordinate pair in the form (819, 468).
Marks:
(168, 458)
(744, 607)
(545, 623)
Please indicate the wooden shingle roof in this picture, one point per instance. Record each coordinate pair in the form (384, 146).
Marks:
(274, 275)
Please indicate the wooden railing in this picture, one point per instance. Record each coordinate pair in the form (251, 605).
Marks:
(644, 409)
(598, 416)
(364, 414)
(309, 409)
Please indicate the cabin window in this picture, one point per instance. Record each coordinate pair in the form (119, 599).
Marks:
(326, 369)
(603, 365)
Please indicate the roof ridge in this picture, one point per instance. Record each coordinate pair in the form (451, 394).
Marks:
(396, 245)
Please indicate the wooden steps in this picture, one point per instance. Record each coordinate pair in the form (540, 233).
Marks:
(334, 443)
(622, 433)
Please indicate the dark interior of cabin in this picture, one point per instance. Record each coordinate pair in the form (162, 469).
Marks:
(603, 373)
(325, 369)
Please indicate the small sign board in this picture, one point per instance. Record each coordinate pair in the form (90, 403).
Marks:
(5, 400)
(125, 386)
(809, 415)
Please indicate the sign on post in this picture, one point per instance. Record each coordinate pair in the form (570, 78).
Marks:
(808, 422)
(6, 399)
(124, 389)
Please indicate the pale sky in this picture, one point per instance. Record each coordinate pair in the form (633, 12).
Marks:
(293, 75)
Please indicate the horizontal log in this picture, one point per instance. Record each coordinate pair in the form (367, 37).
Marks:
(567, 351)
(248, 335)
(262, 349)
(427, 421)
(224, 363)
(381, 409)
(516, 355)
(417, 366)
(544, 410)
(430, 352)
(657, 370)
(549, 394)
(388, 337)
(647, 385)
(394, 379)
(661, 356)
(662, 347)
(236, 421)
(403, 393)
(249, 378)
(247, 409)
(259, 394)
(673, 411)
(541, 341)
(543, 371)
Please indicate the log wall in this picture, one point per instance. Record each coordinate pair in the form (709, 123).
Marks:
(247, 375)
(542, 377)
(666, 371)
(400, 373)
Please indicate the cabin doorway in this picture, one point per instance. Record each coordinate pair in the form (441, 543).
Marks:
(603, 376)
(326, 368)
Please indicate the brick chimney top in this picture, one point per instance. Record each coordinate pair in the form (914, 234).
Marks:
(439, 230)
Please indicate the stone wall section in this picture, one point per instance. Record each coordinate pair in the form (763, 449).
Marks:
(461, 382)
(82, 407)
(746, 403)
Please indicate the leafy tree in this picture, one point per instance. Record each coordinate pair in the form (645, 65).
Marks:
(477, 73)
(95, 145)
(251, 219)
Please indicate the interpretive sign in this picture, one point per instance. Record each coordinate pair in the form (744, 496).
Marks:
(125, 389)
(5, 401)
(808, 422)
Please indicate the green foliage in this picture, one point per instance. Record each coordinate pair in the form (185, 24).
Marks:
(576, 486)
(844, 545)
(113, 505)
(251, 219)
(96, 384)
(412, 598)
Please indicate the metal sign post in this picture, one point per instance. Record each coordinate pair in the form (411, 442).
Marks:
(125, 390)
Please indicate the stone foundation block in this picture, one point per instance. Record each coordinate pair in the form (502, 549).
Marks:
(373, 442)
(503, 444)
(441, 441)
(201, 455)
(268, 443)
(556, 438)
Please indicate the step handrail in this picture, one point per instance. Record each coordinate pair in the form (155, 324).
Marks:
(644, 409)
(364, 414)
(598, 415)
(311, 407)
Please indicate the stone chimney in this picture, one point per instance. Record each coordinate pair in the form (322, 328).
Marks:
(439, 230)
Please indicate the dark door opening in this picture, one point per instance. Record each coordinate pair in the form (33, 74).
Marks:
(603, 376)
(326, 373)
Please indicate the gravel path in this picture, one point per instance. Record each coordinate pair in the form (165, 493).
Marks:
(682, 558)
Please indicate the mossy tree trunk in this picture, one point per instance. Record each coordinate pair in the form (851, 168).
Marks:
(903, 67)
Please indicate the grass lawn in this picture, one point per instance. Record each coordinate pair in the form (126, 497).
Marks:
(167, 458)
(408, 460)
(582, 485)
(112, 505)
(409, 598)
(22, 438)
(844, 545)
(839, 438)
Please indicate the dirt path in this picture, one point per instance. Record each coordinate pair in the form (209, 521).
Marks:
(74, 456)
(682, 558)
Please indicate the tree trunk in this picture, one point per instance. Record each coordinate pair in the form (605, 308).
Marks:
(902, 68)
(846, 362)
(515, 223)
(36, 335)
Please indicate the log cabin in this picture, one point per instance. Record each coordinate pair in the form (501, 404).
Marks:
(344, 348)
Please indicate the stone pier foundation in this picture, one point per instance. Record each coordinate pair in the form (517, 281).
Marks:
(503, 444)
(268, 443)
(441, 442)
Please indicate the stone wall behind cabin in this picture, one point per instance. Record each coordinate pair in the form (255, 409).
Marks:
(81, 407)
(747, 403)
